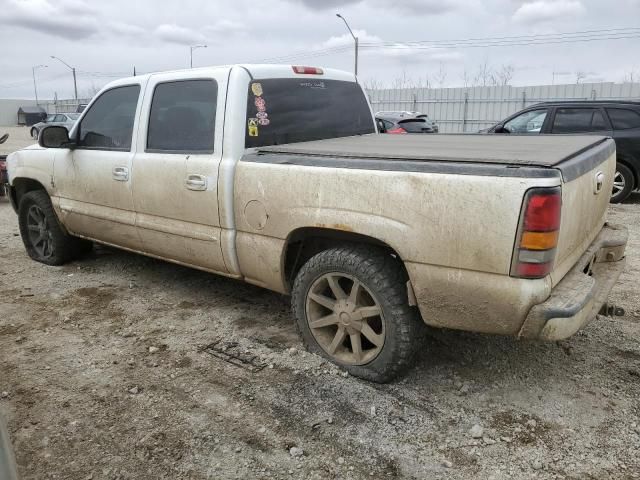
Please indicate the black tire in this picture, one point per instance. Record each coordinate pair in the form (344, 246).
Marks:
(44, 238)
(624, 183)
(34, 133)
(385, 278)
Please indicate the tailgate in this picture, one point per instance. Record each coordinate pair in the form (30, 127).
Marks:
(586, 189)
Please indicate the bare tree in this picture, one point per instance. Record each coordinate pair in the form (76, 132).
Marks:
(441, 75)
(372, 84)
(631, 76)
(91, 91)
(483, 74)
(504, 75)
(580, 76)
(465, 77)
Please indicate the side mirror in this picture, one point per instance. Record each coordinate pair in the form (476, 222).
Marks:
(54, 137)
(500, 129)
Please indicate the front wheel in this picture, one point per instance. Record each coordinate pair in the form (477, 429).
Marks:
(42, 235)
(623, 183)
(34, 133)
(351, 307)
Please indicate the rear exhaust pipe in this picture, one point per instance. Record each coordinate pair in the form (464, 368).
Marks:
(611, 310)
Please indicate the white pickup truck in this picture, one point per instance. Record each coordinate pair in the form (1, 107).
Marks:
(275, 175)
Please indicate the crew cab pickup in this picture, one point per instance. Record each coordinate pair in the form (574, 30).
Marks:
(275, 175)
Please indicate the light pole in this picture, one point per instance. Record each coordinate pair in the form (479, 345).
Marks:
(73, 70)
(33, 71)
(191, 49)
(355, 39)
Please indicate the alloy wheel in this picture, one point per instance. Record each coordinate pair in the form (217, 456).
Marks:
(39, 232)
(345, 318)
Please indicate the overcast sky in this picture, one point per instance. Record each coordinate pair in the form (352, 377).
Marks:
(106, 39)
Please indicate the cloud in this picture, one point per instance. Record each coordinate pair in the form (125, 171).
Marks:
(326, 4)
(541, 11)
(127, 29)
(173, 33)
(395, 51)
(226, 27)
(416, 7)
(347, 39)
(71, 19)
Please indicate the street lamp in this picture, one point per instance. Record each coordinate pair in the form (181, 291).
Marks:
(75, 85)
(355, 39)
(33, 71)
(191, 49)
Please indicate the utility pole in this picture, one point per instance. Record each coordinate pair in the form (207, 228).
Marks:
(33, 71)
(355, 39)
(73, 70)
(191, 49)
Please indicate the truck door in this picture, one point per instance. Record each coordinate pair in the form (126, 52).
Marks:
(175, 170)
(92, 181)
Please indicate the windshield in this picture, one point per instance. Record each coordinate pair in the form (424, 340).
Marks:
(290, 110)
(73, 116)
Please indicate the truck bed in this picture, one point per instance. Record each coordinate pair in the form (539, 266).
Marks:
(401, 152)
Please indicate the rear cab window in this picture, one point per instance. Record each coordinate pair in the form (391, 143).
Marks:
(624, 118)
(290, 110)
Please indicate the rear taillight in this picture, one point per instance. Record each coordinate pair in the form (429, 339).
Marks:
(537, 240)
(307, 70)
(397, 130)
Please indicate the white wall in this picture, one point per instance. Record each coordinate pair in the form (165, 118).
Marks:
(9, 110)
(467, 110)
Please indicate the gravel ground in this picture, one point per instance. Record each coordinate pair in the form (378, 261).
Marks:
(105, 374)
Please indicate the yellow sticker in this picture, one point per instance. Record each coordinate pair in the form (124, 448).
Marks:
(256, 88)
(253, 127)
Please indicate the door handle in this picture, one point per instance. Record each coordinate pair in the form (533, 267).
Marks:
(196, 182)
(120, 174)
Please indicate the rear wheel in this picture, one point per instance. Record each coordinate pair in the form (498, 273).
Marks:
(34, 133)
(350, 305)
(42, 235)
(623, 183)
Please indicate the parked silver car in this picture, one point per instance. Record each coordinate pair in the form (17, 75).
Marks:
(405, 122)
(66, 120)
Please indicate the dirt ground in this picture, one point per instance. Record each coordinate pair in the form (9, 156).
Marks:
(105, 374)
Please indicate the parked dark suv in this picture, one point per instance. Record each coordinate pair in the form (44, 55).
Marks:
(619, 120)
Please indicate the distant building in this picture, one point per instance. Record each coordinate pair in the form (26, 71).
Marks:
(31, 115)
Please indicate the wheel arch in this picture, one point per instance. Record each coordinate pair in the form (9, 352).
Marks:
(22, 185)
(624, 160)
(305, 242)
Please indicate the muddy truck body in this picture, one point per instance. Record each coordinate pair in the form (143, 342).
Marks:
(275, 175)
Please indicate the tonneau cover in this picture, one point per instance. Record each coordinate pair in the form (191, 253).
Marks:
(524, 150)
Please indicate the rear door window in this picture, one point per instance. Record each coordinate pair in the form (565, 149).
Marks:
(623, 118)
(577, 120)
(183, 117)
(289, 110)
(108, 124)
